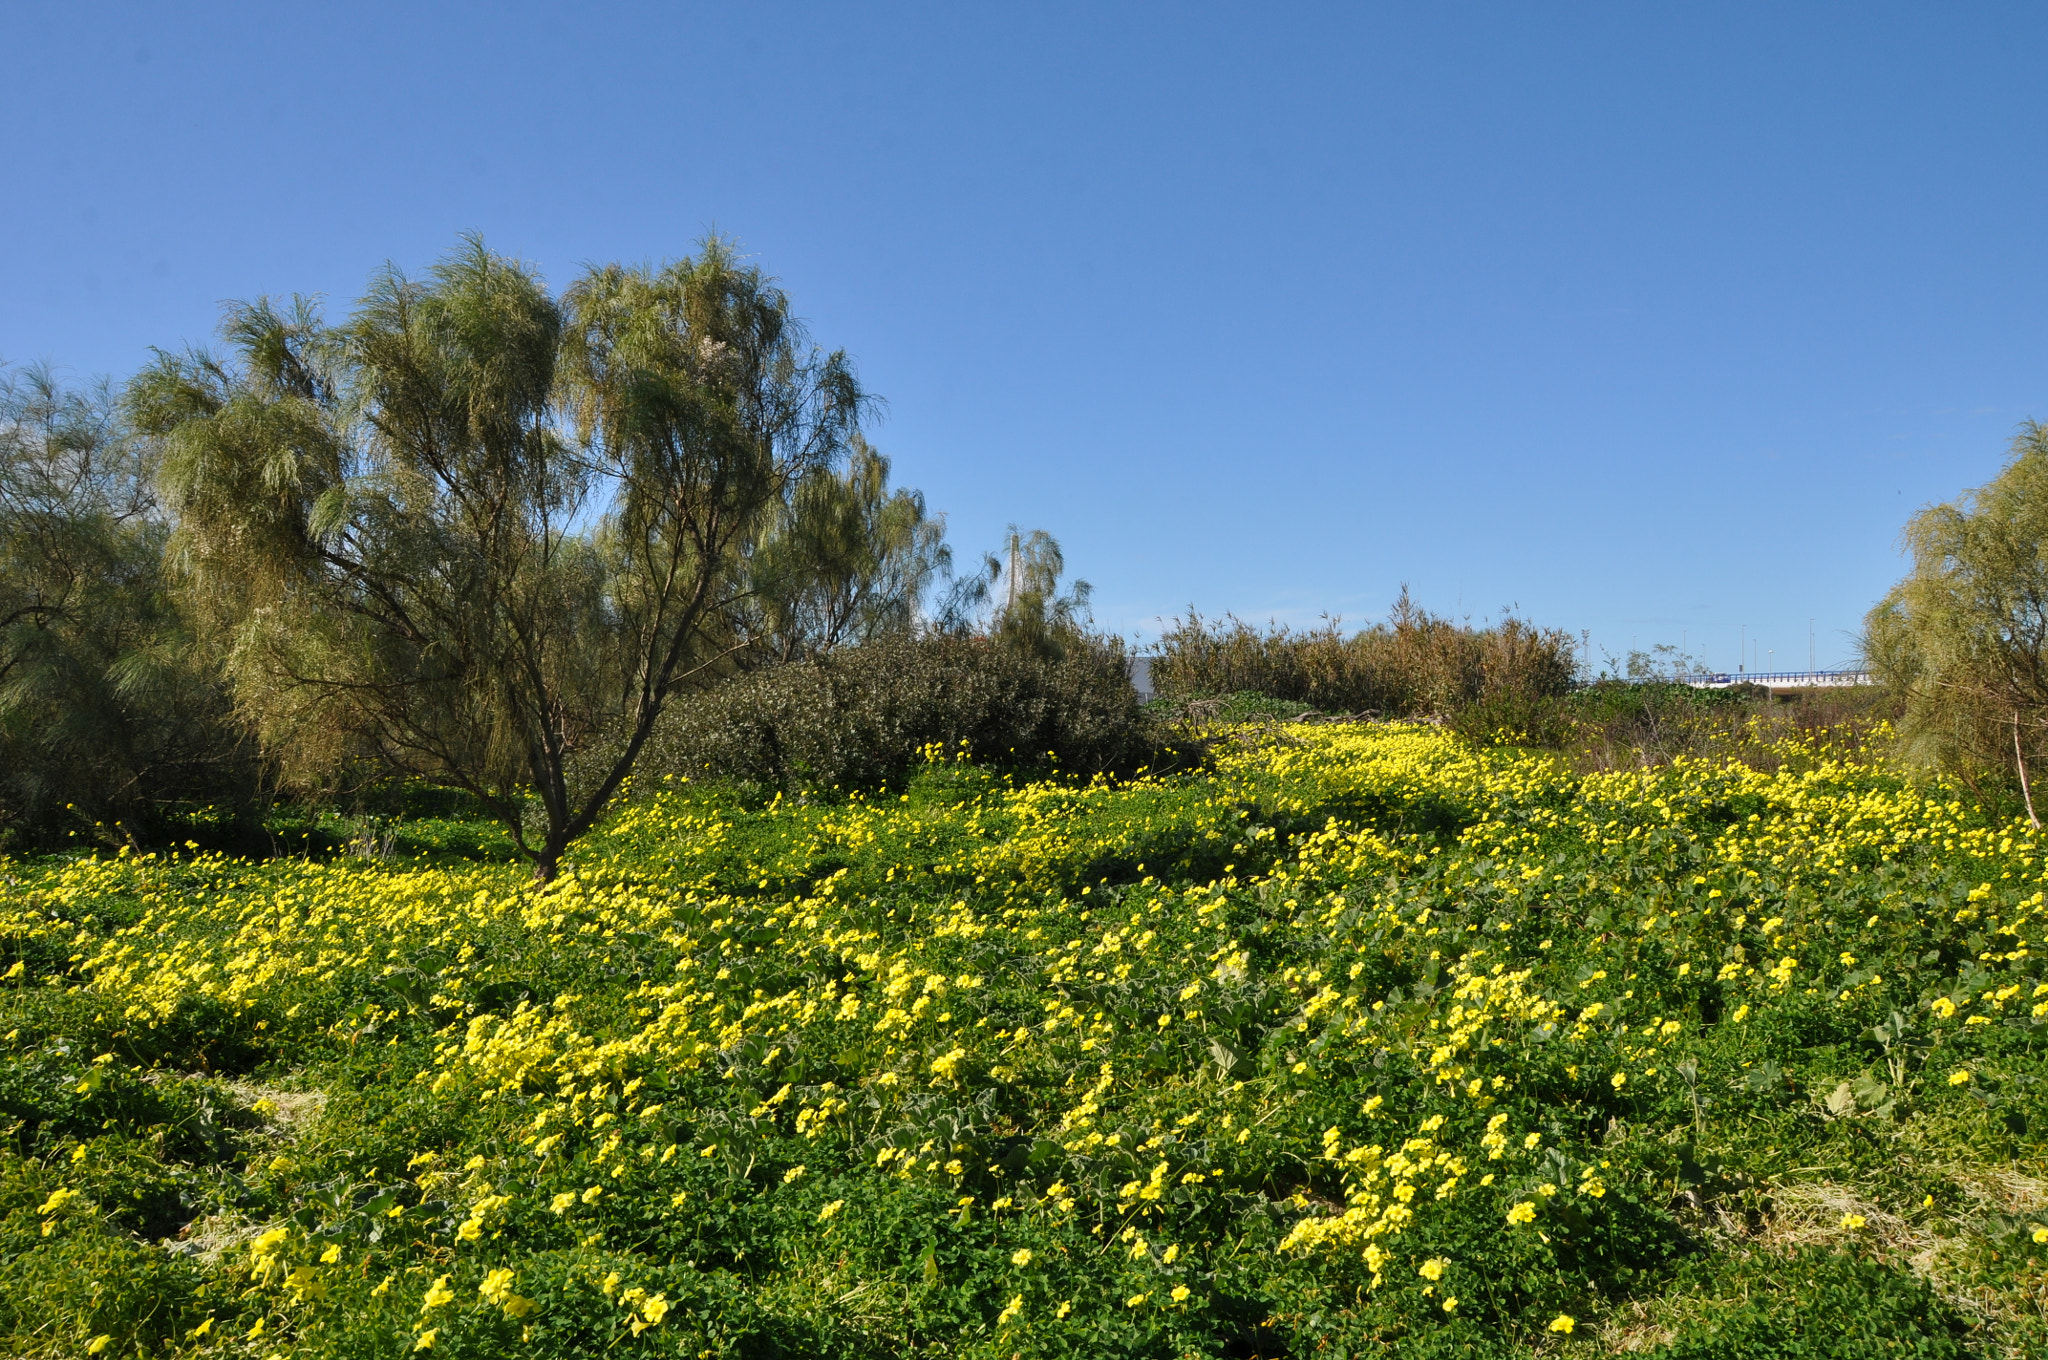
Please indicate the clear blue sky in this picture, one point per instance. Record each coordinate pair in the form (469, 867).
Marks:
(1654, 320)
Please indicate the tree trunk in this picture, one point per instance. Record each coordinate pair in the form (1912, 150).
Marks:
(547, 862)
(2020, 759)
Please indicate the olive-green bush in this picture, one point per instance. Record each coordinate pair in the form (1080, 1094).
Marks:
(859, 717)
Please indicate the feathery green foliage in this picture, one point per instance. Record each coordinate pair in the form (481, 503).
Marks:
(481, 534)
(1964, 637)
(1032, 614)
(844, 559)
(107, 713)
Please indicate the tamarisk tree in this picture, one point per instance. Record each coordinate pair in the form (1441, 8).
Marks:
(108, 714)
(845, 560)
(483, 533)
(1964, 637)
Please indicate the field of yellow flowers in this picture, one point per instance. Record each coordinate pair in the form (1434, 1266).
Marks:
(1362, 1040)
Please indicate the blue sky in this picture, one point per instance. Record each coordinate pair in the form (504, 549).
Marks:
(1654, 321)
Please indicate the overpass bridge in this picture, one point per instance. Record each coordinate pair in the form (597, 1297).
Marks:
(1777, 680)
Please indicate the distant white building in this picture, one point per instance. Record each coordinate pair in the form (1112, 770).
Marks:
(1141, 677)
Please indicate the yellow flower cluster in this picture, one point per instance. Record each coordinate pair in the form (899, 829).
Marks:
(1153, 1031)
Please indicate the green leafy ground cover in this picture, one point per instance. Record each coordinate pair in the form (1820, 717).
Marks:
(1363, 1042)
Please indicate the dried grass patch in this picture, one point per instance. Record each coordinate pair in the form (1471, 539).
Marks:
(1811, 1214)
(2001, 1189)
(290, 1113)
(1640, 1330)
(213, 1237)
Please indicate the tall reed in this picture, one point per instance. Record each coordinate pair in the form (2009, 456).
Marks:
(1414, 664)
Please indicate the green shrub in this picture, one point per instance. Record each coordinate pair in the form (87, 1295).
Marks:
(862, 716)
(1244, 706)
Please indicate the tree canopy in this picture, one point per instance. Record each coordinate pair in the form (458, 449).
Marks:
(106, 712)
(1964, 637)
(845, 559)
(1015, 595)
(483, 534)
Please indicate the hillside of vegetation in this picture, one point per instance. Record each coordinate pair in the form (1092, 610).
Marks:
(1365, 1039)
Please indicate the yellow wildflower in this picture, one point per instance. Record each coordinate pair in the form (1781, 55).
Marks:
(497, 1286)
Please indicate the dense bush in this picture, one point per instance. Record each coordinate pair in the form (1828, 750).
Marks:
(859, 717)
(1414, 664)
